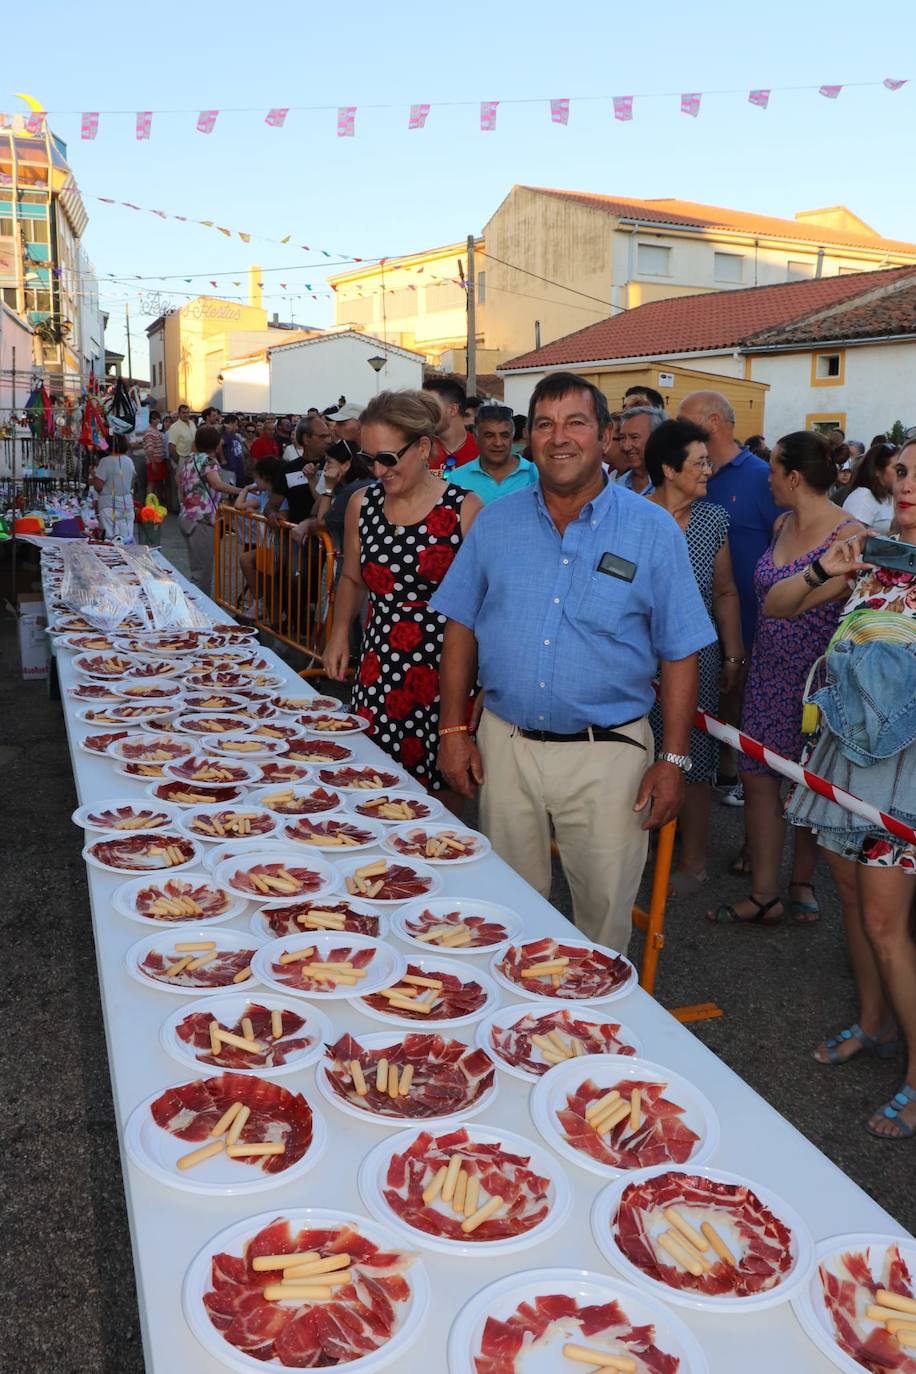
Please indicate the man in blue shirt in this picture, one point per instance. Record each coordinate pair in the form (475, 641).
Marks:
(497, 471)
(636, 424)
(565, 599)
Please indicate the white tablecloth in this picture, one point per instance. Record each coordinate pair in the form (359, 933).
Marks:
(169, 1227)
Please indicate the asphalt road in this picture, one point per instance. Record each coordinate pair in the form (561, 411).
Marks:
(67, 1256)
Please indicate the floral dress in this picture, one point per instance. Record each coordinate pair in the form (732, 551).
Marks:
(397, 683)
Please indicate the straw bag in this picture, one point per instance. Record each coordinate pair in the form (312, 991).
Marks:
(864, 626)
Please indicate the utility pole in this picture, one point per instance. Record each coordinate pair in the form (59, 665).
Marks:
(472, 320)
(130, 368)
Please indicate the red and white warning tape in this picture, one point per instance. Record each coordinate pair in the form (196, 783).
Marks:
(755, 750)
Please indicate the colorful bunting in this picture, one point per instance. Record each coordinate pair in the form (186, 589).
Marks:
(89, 124)
(144, 125)
(623, 107)
(559, 111)
(893, 85)
(246, 238)
(690, 103)
(346, 121)
(418, 116)
(760, 98)
(488, 110)
(35, 123)
(831, 92)
(277, 118)
(206, 121)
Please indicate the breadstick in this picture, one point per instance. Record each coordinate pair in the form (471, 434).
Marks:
(198, 1156)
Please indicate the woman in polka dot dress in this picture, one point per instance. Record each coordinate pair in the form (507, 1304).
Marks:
(400, 538)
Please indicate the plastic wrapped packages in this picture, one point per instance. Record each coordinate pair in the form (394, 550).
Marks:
(91, 589)
(169, 606)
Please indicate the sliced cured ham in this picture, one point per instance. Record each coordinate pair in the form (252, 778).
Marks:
(186, 795)
(331, 724)
(289, 770)
(318, 751)
(151, 667)
(290, 803)
(147, 690)
(515, 1046)
(150, 710)
(227, 678)
(94, 691)
(501, 1173)
(213, 701)
(196, 723)
(296, 974)
(284, 920)
(438, 846)
(128, 818)
(357, 779)
(761, 1243)
(588, 973)
(484, 931)
(273, 880)
(448, 1076)
(143, 853)
(662, 1136)
(271, 729)
(191, 1111)
(219, 973)
(401, 808)
(194, 1030)
(159, 900)
(342, 834)
(453, 999)
(554, 1319)
(149, 771)
(398, 883)
(103, 665)
(99, 744)
(362, 1316)
(232, 823)
(850, 1284)
(229, 772)
(160, 750)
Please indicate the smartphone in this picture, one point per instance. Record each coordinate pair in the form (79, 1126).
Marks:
(889, 553)
(612, 565)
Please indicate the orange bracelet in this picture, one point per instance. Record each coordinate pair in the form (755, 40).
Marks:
(453, 730)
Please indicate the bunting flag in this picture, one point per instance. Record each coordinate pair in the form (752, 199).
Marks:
(831, 92)
(35, 123)
(488, 110)
(89, 124)
(623, 107)
(891, 84)
(276, 118)
(246, 238)
(418, 116)
(690, 103)
(144, 125)
(760, 98)
(346, 121)
(559, 111)
(206, 121)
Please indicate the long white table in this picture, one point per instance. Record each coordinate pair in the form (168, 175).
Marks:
(168, 1227)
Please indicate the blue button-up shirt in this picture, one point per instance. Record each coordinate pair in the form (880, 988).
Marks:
(742, 487)
(472, 477)
(562, 646)
(626, 480)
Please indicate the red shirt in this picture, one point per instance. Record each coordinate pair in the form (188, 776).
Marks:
(264, 448)
(465, 453)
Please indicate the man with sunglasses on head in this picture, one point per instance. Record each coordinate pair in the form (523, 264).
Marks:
(497, 471)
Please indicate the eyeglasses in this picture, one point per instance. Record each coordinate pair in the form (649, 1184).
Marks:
(386, 460)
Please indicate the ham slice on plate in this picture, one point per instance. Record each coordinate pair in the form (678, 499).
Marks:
(155, 900)
(448, 1076)
(194, 1030)
(455, 998)
(556, 1318)
(191, 1111)
(296, 974)
(219, 973)
(283, 920)
(589, 972)
(661, 1137)
(514, 1044)
(850, 1284)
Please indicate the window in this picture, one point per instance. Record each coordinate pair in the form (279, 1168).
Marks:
(8, 294)
(400, 305)
(481, 288)
(728, 267)
(823, 422)
(829, 368)
(356, 311)
(799, 271)
(847, 271)
(36, 231)
(445, 295)
(652, 260)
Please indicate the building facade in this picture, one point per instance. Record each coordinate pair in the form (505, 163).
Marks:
(317, 371)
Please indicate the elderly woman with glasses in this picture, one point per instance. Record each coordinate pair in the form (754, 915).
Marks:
(400, 537)
(678, 466)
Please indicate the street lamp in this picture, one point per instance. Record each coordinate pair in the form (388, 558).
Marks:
(376, 362)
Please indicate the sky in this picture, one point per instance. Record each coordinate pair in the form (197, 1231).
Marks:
(389, 191)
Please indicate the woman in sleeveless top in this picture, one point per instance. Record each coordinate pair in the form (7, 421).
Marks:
(400, 537)
(802, 470)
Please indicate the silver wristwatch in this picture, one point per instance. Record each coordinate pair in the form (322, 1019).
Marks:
(682, 761)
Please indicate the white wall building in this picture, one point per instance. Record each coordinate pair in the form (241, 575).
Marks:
(15, 345)
(246, 385)
(316, 371)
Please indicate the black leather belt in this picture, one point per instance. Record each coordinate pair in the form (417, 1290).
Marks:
(595, 734)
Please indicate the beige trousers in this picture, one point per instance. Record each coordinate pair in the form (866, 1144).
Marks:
(587, 790)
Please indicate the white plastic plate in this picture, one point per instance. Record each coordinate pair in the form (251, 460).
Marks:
(425, 807)
(466, 907)
(164, 941)
(537, 991)
(507, 1016)
(265, 822)
(328, 879)
(434, 883)
(367, 834)
(153, 814)
(126, 900)
(477, 846)
(384, 968)
(429, 965)
(229, 1009)
(155, 837)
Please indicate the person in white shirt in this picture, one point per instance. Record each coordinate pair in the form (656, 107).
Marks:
(870, 496)
(113, 480)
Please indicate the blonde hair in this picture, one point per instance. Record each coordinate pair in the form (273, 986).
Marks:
(415, 413)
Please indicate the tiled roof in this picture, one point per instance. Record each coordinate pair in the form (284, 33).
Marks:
(703, 323)
(693, 215)
(890, 313)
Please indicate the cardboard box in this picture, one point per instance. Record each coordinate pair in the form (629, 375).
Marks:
(34, 650)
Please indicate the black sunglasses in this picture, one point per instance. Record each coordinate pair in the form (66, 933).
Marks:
(387, 460)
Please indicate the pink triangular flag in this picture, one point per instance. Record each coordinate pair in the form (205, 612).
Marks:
(488, 110)
(831, 92)
(893, 85)
(760, 98)
(276, 117)
(418, 116)
(206, 121)
(623, 107)
(89, 125)
(559, 111)
(690, 103)
(144, 124)
(35, 123)
(346, 121)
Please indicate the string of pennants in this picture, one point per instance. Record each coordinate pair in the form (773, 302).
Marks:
(623, 107)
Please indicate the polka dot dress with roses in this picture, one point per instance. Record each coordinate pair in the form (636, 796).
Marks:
(397, 684)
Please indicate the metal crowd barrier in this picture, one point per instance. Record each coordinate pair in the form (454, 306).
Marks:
(293, 593)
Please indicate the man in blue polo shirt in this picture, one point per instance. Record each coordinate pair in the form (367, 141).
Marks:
(497, 471)
(565, 600)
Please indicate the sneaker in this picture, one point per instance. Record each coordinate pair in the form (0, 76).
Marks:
(725, 783)
(733, 796)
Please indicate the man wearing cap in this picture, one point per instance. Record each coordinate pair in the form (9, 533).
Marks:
(346, 423)
(497, 471)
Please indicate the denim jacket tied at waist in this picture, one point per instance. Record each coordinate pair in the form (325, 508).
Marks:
(869, 699)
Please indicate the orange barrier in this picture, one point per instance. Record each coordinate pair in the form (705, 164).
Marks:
(284, 587)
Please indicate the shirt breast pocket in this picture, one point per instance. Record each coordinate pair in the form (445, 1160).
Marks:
(604, 603)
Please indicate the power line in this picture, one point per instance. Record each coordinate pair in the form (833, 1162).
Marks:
(550, 282)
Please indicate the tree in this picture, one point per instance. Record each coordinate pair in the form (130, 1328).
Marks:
(897, 433)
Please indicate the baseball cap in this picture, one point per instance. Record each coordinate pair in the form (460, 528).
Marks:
(347, 412)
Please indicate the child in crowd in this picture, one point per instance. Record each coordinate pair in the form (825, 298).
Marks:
(268, 486)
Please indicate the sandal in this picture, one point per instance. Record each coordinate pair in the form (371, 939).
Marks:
(891, 1112)
(740, 865)
(760, 918)
(804, 913)
(683, 883)
(880, 1048)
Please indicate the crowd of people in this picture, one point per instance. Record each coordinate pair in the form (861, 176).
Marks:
(532, 608)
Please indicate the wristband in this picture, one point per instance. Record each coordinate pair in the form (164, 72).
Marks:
(730, 658)
(820, 572)
(453, 730)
